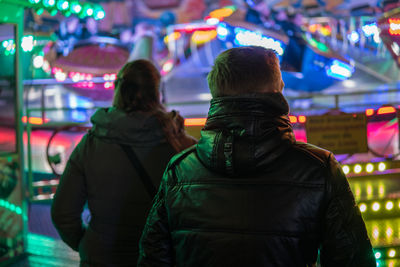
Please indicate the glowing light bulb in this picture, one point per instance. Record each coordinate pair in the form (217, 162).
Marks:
(89, 11)
(376, 206)
(357, 168)
(369, 168)
(381, 166)
(389, 205)
(392, 253)
(346, 169)
(363, 207)
(60, 76)
(99, 14)
(378, 255)
(38, 61)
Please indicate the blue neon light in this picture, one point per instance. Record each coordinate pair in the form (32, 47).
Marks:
(222, 31)
(339, 70)
(353, 36)
(245, 37)
(370, 29)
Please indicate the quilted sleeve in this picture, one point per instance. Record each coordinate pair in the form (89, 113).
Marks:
(345, 239)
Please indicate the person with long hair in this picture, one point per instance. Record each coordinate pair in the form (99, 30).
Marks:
(116, 169)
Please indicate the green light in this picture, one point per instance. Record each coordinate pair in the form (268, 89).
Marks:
(99, 14)
(322, 47)
(62, 4)
(76, 7)
(34, 1)
(53, 12)
(18, 210)
(12, 207)
(49, 3)
(2, 202)
(5, 43)
(378, 255)
(40, 11)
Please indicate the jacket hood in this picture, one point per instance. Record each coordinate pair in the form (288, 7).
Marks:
(245, 133)
(139, 128)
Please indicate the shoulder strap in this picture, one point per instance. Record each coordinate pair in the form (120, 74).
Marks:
(150, 188)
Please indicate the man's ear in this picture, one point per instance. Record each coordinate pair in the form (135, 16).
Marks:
(282, 86)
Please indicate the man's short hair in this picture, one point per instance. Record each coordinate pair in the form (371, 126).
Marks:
(245, 70)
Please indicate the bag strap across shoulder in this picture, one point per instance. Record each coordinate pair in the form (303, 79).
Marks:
(143, 175)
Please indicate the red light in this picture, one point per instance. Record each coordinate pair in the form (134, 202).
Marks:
(386, 110)
(302, 119)
(194, 27)
(34, 120)
(369, 112)
(54, 70)
(293, 119)
(108, 85)
(195, 122)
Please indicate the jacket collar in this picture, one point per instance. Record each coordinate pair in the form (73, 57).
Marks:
(245, 133)
(264, 104)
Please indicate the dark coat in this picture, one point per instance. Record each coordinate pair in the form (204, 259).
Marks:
(100, 173)
(250, 195)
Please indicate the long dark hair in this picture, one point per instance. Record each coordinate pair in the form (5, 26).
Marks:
(137, 87)
(136, 90)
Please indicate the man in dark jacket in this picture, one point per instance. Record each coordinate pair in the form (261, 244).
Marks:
(249, 194)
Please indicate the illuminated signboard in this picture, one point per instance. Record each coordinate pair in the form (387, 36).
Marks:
(341, 134)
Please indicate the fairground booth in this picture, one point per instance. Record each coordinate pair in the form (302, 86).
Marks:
(340, 63)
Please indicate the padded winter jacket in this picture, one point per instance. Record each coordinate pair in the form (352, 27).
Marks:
(100, 173)
(250, 195)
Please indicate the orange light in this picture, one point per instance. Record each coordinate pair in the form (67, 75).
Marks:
(34, 120)
(172, 37)
(293, 119)
(386, 110)
(302, 119)
(221, 13)
(195, 122)
(201, 37)
(369, 112)
(394, 26)
(314, 27)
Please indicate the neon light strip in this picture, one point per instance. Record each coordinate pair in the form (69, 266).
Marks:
(245, 37)
(340, 70)
(386, 110)
(10, 206)
(34, 120)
